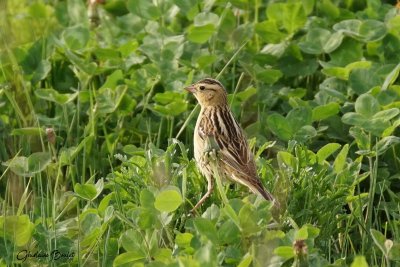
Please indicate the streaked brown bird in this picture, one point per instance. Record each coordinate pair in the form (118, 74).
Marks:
(217, 130)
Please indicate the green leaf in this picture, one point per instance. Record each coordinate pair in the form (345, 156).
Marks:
(325, 111)
(28, 166)
(285, 252)
(144, 9)
(168, 200)
(246, 260)
(327, 150)
(147, 198)
(353, 118)
(315, 40)
(128, 257)
(269, 32)
(359, 261)
(205, 18)
(367, 105)
(340, 161)
(183, 239)
(76, 37)
(132, 241)
(299, 117)
(363, 80)
(248, 220)
(290, 15)
(54, 96)
(301, 234)
(18, 229)
(114, 79)
(385, 143)
(366, 31)
(379, 240)
(269, 76)
(205, 228)
(391, 77)
(386, 115)
(32, 131)
(41, 71)
(200, 34)
(85, 191)
(279, 126)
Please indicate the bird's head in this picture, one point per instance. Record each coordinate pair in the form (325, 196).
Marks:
(208, 92)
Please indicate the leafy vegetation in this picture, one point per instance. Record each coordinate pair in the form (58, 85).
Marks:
(96, 132)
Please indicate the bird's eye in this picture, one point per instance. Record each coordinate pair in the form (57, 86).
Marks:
(202, 87)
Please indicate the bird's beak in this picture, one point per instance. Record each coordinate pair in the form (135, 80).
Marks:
(191, 89)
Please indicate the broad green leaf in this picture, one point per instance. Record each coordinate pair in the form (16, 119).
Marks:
(109, 99)
(379, 240)
(229, 233)
(28, 166)
(167, 97)
(54, 96)
(353, 118)
(366, 31)
(116, 7)
(132, 241)
(372, 30)
(385, 143)
(41, 71)
(363, 80)
(143, 8)
(391, 77)
(32, 131)
(301, 234)
(279, 126)
(200, 34)
(386, 115)
(128, 257)
(147, 199)
(205, 18)
(348, 52)
(325, 111)
(367, 105)
(269, 32)
(76, 37)
(205, 228)
(114, 79)
(394, 253)
(248, 220)
(327, 150)
(168, 200)
(85, 191)
(329, 9)
(285, 159)
(315, 40)
(18, 229)
(290, 15)
(305, 133)
(183, 239)
(333, 42)
(246, 260)
(269, 76)
(344, 72)
(340, 161)
(285, 252)
(299, 117)
(359, 261)
(246, 94)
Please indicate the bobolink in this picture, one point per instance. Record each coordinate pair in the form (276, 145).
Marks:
(217, 130)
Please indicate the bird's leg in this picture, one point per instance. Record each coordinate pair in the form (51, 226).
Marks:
(210, 186)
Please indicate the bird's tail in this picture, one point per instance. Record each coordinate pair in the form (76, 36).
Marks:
(267, 195)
